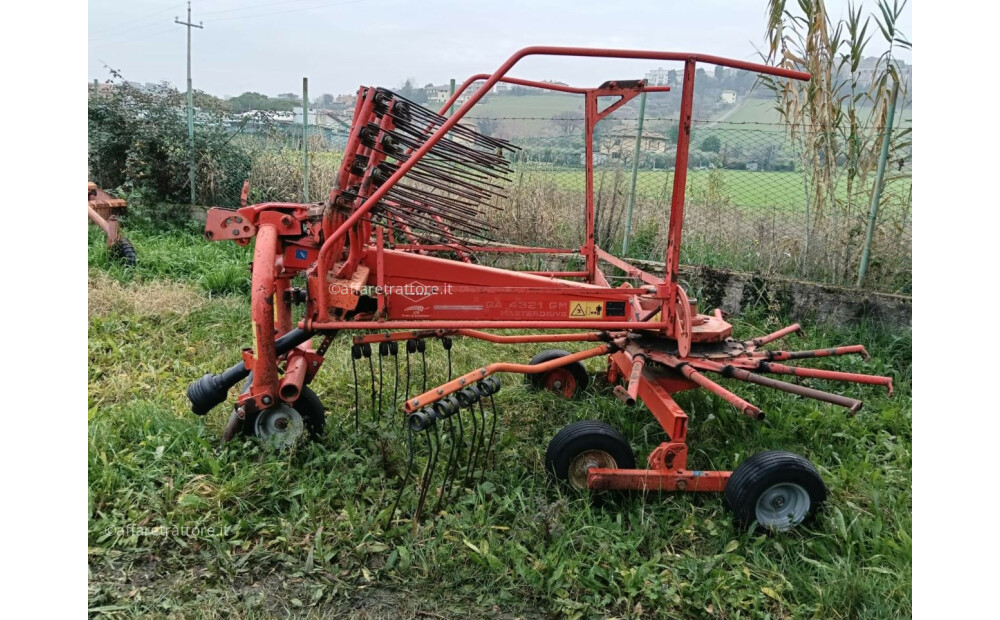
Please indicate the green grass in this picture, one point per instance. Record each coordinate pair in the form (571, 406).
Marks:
(533, 112)
(303, 532)
(754, 190)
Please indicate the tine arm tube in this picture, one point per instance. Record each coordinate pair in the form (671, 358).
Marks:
(781, 333)
(743, 406)
(432, 396)
(831, 375)
(742, 374)
(628, 396)
(803, 355)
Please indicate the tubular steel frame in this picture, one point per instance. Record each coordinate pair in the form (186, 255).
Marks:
(334, 245)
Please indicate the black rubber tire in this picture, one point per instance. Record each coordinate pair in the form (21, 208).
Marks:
(762, 471)
(309, 407)
(576, 369)
(585, 435)
(124, 252)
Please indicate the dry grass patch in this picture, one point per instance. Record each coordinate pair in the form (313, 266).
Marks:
(106, 295)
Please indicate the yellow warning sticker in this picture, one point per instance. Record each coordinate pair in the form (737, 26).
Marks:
(586, 309)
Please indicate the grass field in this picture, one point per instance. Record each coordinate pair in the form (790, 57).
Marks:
(301, 531)
(750, 189)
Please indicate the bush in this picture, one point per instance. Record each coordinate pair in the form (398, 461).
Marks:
(138, 143)
(711, 143)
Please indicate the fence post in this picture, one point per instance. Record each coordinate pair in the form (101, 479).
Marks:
(305, 139)
(451, 91)
(95, 87)
(635, 173)
(877, 190)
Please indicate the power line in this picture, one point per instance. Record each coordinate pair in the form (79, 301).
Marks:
(127, 34)
(255, 6)
(146, 37)
(296, 10)
(137, 19)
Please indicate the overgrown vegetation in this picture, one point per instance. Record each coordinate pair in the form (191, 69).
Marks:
(300, 532)
(839, 117)
(138, 147)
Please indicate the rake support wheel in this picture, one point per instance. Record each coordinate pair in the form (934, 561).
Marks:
(124, 252)
(569, 380)
(308, 408)
(581, 445)
(777, 489)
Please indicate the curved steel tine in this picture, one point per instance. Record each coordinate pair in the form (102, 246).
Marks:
(424, 480)
(449, 465)
(406, 476)
(366, 349)
(394, 351)
(493, 430)
(459, 445)
(406, 391)
(469, 470)
(378, 419)
(357, 405)
(422, 347)
(479, 448)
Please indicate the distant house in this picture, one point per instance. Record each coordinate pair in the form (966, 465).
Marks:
(728, 97)
(658, 77)
(103, 89)
(468, 92)
(438, 94)
(619, 142)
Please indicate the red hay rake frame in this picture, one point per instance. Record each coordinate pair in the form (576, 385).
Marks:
(653, 336)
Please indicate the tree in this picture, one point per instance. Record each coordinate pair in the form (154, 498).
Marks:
(711, 144)
(720, 73)
(487, 126)
(138, 142)
(672, 77)
(256, 101)
(567, 121)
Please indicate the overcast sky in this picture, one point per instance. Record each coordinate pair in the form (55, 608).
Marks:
(269, 45)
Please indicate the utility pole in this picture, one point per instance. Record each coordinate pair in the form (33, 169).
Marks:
(305, 139)
(190, 97)
(635, 173)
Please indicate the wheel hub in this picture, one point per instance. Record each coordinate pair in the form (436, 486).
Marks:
(783, 506)
(280, 426)
(561, 381)
(584, 461)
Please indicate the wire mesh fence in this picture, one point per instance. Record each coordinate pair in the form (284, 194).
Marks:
(748, 199)
(749, 202)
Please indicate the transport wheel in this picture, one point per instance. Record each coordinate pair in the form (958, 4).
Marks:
(581, 445)
(308, 410)
(124, 251)
(568, 380)
(777, 489)
(279, 427)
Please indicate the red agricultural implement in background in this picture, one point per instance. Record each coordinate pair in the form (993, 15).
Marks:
(103, 210)
(392, 256)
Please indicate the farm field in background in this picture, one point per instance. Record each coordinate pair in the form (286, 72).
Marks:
(743, 188)
(303, 532)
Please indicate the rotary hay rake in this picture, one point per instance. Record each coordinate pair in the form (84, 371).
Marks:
(392, 256)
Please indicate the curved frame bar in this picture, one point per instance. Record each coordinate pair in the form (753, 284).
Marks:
(324, 260)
